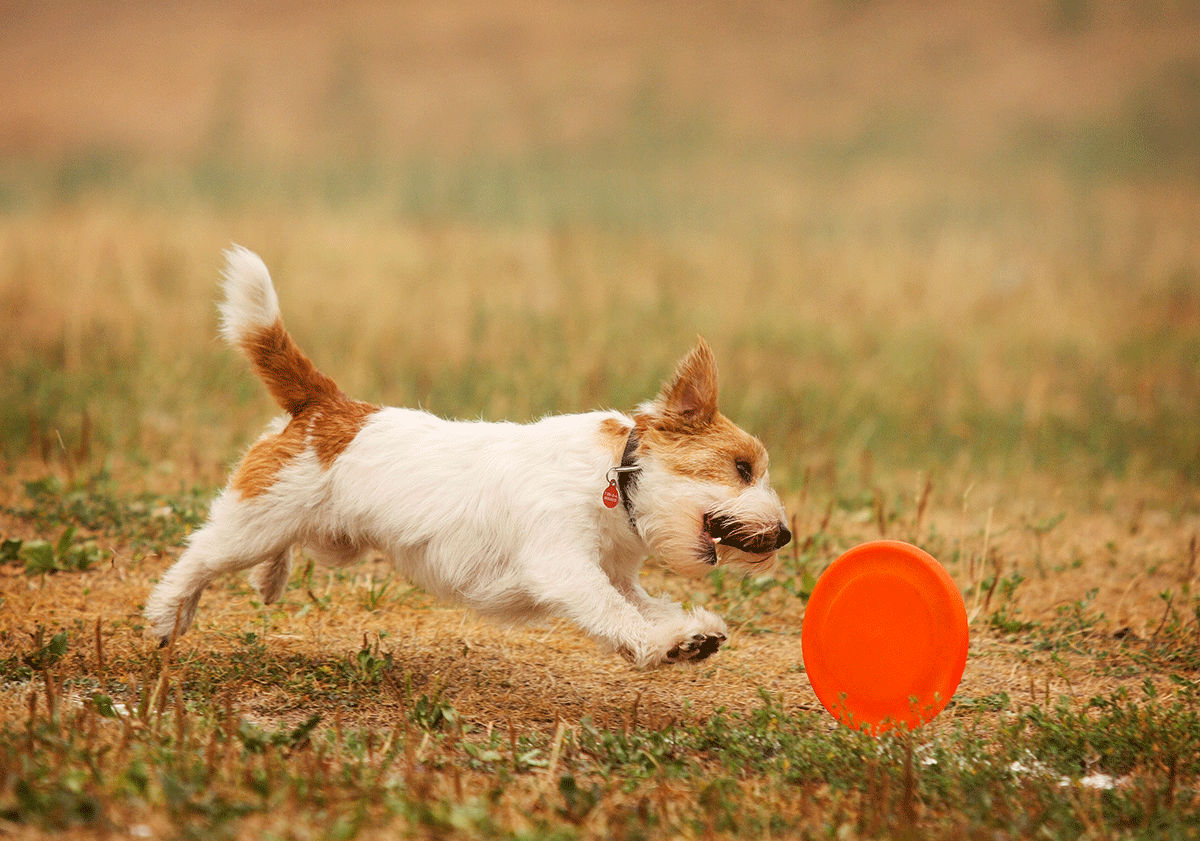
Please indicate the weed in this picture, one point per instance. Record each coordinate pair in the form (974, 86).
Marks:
(577, 802)
(256, 740)
(376, 590)
(1006, 621)
(48, 654)
(41, 557)
(429, 712)
(1073, 625)
(1120, 736)
(369, 665)
(1174, 645)
(149, 522)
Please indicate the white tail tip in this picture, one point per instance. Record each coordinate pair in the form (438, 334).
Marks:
(250, 301)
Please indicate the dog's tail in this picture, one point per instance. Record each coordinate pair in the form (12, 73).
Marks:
(250, 321)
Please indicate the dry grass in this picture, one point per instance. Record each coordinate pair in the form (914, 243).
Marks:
(933, 247)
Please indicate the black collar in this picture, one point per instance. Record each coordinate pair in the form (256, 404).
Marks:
(627, 474)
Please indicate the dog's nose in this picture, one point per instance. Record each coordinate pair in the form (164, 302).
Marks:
(784, 538)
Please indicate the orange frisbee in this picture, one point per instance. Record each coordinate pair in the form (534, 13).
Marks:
(885, 637)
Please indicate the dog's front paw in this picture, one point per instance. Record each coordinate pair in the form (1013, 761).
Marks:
(693, 637)
(699, 647)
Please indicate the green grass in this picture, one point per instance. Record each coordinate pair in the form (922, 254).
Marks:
(177, 757)
(102, 735)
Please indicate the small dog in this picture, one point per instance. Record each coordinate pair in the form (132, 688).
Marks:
(518, 521)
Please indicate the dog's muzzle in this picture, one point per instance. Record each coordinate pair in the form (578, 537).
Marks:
(729, 532)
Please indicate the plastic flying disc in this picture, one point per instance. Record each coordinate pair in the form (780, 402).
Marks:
(885, 637)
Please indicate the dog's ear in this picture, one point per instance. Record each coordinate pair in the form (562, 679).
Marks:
(689, 398)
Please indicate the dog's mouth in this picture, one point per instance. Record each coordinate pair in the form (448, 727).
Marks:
(719, 531)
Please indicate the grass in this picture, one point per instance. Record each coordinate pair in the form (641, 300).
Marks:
(959, 310)
(277, 722)
(179, 758)
(1023, 381)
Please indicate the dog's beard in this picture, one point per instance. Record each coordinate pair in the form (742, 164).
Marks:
(744, 530)
(719, 555)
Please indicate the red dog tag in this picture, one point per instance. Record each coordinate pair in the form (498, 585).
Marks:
(611, 495)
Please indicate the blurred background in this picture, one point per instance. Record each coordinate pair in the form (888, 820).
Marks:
(954, 239)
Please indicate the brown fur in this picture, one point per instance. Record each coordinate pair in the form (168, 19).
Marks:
(614, 434)
(323, 418)
(289, 375)
(335, 426)
(257, 471)
(327, 427)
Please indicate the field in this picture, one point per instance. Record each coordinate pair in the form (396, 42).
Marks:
(947, 257)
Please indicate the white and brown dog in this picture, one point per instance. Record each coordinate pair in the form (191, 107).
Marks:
(518, 521)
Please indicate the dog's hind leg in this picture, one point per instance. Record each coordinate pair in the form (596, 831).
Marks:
(270, 578)
(233, 539)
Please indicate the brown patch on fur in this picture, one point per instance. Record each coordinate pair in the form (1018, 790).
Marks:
(323, 418)
(614, 436)
(327, 428)
(266, 457)
(708, 454)
(335, 426)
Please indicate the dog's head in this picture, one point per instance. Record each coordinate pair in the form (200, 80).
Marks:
(702, 493)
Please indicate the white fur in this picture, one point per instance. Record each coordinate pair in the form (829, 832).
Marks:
(506, 518)
(250, 299)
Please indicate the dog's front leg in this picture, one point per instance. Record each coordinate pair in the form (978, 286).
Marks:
(705, 629)
(583, 593)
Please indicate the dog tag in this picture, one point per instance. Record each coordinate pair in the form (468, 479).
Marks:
(611, 495)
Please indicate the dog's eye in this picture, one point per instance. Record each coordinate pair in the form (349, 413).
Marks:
(744, 470)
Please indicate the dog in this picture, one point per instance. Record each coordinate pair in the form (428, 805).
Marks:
(517, 521)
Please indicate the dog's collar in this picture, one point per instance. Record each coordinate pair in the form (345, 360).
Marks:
(624, 477)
